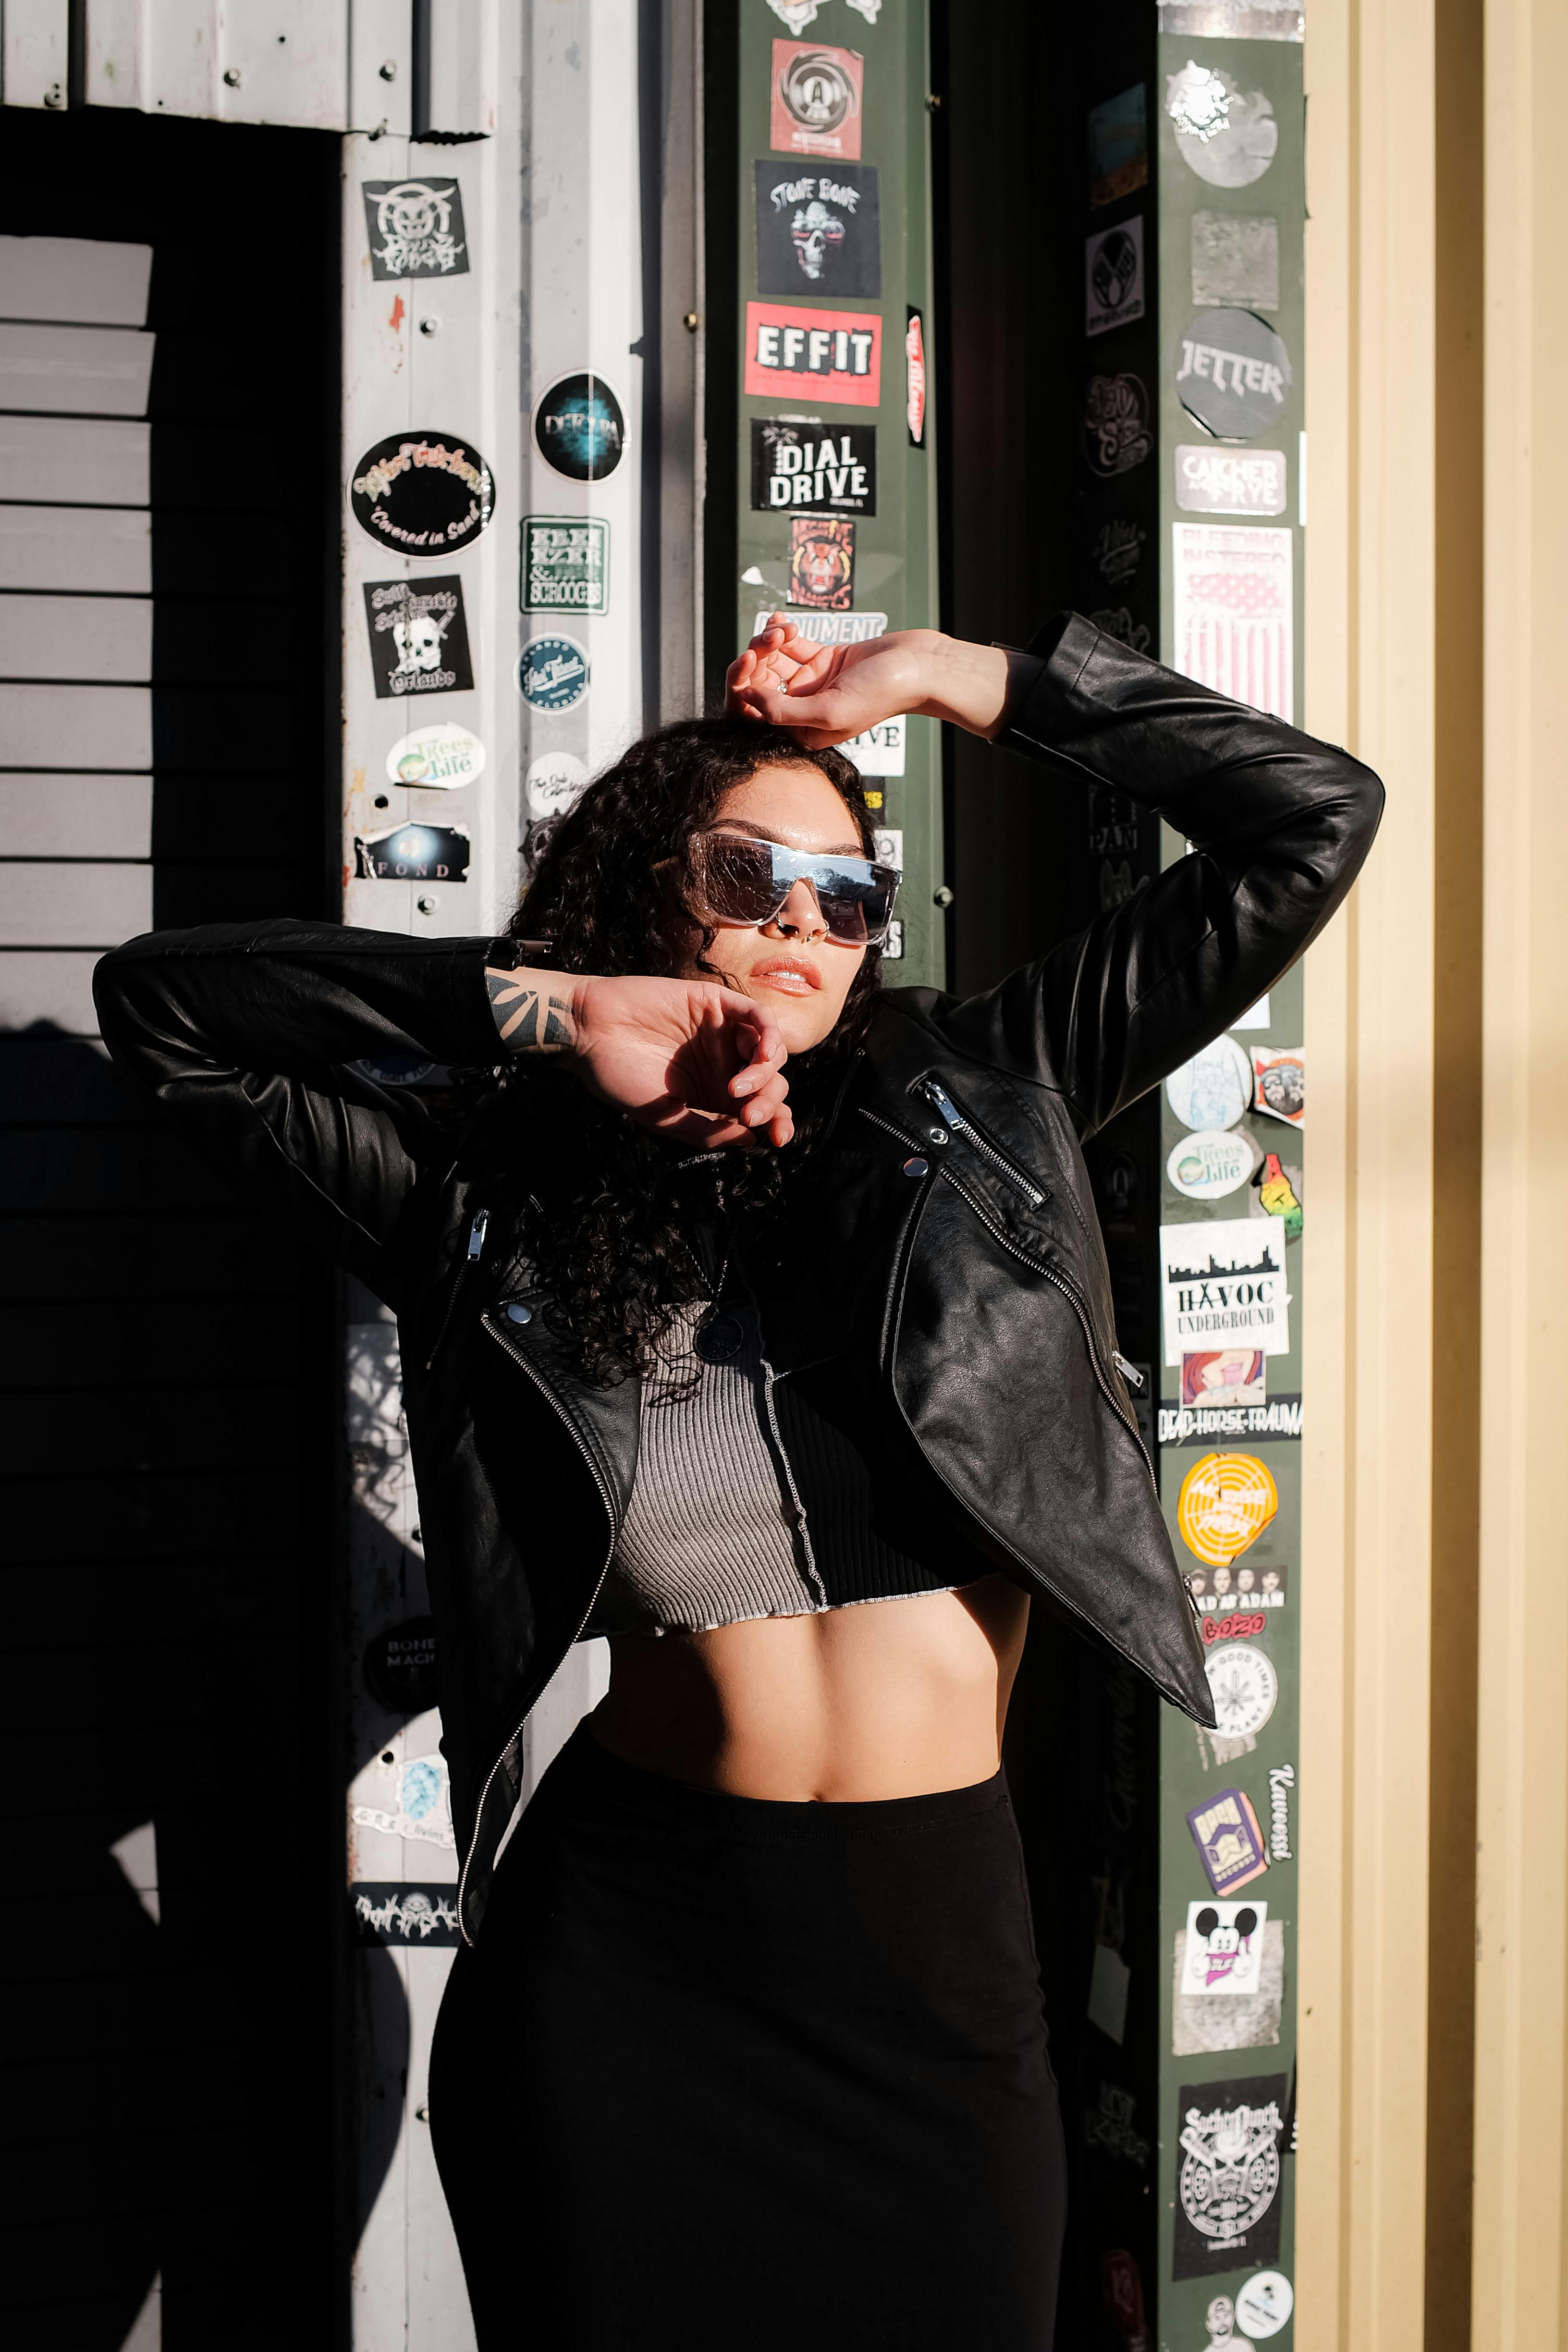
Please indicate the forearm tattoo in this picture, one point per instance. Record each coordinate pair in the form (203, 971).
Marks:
(532, 1019)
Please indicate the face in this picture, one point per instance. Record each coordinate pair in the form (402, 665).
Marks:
(790, 964)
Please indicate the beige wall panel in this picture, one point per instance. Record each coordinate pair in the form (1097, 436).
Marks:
(1522, 1813)
(75, 905)
(76, 816)
(81, 371)
(83, 548)
(75, 727)
(75, 460)
(56, 987)
(104, 637)
(87, 279)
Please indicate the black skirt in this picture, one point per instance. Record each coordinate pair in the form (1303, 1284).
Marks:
(725, 2072)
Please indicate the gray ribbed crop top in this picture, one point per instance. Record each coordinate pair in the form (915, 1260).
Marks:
(715, 1532)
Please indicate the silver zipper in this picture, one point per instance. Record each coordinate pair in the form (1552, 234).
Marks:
(960, 1123)
(477, 1231)
(1130, 1372)
(542, 1385)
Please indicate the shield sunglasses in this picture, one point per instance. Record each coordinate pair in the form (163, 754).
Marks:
(737, 878)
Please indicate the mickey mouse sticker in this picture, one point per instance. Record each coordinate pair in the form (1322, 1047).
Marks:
(1225, 1947)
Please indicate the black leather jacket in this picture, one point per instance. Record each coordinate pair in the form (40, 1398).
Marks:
(965, 1291)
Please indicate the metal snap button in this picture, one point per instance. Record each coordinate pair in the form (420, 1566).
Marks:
(936, 1135)
(518, 1314)
(917, 1167)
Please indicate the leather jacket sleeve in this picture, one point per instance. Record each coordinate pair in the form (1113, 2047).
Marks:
(242, 1031)
(1279, 825)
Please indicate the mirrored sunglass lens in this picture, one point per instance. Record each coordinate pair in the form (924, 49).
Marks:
(740, 880)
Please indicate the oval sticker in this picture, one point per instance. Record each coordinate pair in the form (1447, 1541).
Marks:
(423, 493)
(1208, 1165)
(437, 759)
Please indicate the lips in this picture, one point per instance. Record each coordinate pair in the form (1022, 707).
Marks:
(791, 975)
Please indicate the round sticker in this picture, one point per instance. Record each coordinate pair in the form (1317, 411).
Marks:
(400, 1666)
(422, 493)
(1214, 1089)
(1117, 432)
(1226, 135)
(579, 428)
(552, 674)
(437, 759)
(1265, 2303)
(1244, 1686)
(555, 783)
(1226, 1501)
(817, 91)
(1233, 374)
(1207, 1166)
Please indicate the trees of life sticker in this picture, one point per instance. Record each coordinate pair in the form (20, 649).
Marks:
(1119, 146)
(828, 355)
(1214, 1089)
(565, 564)
(416, 228)
(424, 494)
(1117, 430)
(822, 561)
(1226, 135)
(412, 852)
(579, 429)
(1234, 602)
(1225, 1830)
(1233, 374)
(1225, 1947)
(1225, 1502)
(435, 759)
(418, 636)
(552, 675)
(1211, 1163)
(814, 107)
(1212, 481)
(817, 230)
(1113, 277)
(1244, 1686)
(1228, 2190)
(797, 461)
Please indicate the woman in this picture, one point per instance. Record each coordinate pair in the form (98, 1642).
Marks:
(757, 1316)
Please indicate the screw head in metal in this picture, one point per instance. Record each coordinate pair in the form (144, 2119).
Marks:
(389, 68)
(231, 76)
(54, 96)
(941, 896)
(428, 902)
(429, 326)
(691, 321)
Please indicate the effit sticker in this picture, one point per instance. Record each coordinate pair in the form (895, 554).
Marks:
(1227, 2189)
(838, 354)
(425, 494)
(1225, 1947)
(1113, 277)
(1229, 1842)
(1279, 1083)
(578, 427)
(418, 636)
(1211, 480)
(1233, 374)
(915, 378)
(565, 564)
(822, 562)
(415, 228)
(1225, 1502)
(800, 462)
(1119, 146)
(1118, 433)
(1226, 135)
(1234, 604)
(437, 759)
(412, 852)
(552, 675)
(815, 100)
(817, 230)
(1224, 1284)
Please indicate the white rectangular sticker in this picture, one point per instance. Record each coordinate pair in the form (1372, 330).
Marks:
(1225, 1947)
(879, 751)
(1215, 480)
(1235, 621)
(1223, 1281)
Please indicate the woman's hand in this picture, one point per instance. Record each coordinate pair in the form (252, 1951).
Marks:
(825, 694)
(685, 1058)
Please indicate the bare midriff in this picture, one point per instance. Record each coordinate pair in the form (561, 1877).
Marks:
(889, 1698)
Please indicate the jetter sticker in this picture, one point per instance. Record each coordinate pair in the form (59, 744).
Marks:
(1225, 1285)
(415, 228)
(822, 562)
(579, 429)
(424, 494)
(915, 379)
(435, 759)
(418, 636)
(1232, 374)
(817, 231)
(797, 462)
(565, 564)
(1113, 277)
(816, 104)
(835, 354)
(1228, 2190)
(412, 852)
(1225, 1947)
(1279, 1083)
(1117, 431)
(1229, 1842)
(552, 675)
(1225, 1502)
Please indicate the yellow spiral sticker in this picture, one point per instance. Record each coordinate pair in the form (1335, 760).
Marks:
(1226, 1501)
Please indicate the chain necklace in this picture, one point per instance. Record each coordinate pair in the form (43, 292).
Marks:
(719, 1336)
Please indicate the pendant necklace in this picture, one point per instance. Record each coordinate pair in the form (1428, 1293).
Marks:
(720, 1335)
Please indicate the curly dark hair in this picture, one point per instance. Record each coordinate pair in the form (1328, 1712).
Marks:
(613, 1239)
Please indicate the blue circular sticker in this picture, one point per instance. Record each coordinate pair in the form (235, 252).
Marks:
(552, 674)
(579, 429)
